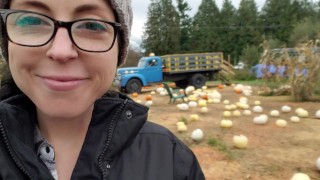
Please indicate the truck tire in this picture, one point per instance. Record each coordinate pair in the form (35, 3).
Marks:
(133, 85)
(197, 80)
(182, 84)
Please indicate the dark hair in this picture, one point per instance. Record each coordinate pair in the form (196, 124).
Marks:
(8, 86)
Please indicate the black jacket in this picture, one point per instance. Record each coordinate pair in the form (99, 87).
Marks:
(119, 145)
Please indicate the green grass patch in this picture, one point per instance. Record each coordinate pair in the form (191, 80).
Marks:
(184, 120)
(221, 146)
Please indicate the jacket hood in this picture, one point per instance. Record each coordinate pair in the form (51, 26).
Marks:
(115, 123)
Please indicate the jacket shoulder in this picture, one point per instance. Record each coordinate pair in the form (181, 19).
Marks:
(186, 165)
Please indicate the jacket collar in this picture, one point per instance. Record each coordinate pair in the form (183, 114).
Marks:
(115, 123)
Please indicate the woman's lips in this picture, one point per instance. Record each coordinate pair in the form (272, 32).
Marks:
(62, 83)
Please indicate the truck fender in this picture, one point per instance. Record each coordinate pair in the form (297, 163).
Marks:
(127, 77)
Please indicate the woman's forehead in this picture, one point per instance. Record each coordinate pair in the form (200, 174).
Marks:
(65, 6)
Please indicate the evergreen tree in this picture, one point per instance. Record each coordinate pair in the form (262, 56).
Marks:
(185, 24)
(162, 34)
(228, 30)
(204, 37)
(249, 32)
(277, 19)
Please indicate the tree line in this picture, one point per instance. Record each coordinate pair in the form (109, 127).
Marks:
(237, 32)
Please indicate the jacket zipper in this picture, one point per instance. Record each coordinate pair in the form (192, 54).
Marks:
(106, 172)
(6, 142)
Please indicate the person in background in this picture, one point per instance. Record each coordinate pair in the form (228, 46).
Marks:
(269, 69)
(257, 70)
(282, 69)
(59, 120)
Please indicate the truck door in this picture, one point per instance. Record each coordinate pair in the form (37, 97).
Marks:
(153, 70)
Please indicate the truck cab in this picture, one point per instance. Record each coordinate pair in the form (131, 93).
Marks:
(148, 71)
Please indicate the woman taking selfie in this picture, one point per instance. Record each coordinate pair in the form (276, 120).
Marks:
(58, 120)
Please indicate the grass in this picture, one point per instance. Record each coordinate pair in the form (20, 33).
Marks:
(184, 120)
(221, 146)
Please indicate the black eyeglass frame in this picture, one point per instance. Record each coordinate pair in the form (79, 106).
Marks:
(57, 24)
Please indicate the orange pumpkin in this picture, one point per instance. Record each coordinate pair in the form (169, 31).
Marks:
(238, 91)
(172, 85)
(220, 86)
(148, 97)
(135, 94)
(204, 96)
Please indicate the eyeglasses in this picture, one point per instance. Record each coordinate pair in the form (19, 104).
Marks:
(32, 29)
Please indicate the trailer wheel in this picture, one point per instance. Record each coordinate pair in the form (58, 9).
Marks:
(197, 80)
(133, 85)
(182, 84)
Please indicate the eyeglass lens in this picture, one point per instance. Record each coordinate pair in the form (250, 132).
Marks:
(32, 29)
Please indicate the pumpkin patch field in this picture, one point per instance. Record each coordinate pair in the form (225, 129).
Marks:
(238, 135)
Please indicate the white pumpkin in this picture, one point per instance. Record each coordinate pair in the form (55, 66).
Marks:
(227, 107)
(260, 120)
(180, 123)
(192, 98)
(182, 128)
(227, 114)
(215, 95)
(243, 100)
(225, 123)
(247, 112)
(242, 105)
(183, 107)
(300, 176)
(216, 101)
(204, 110)
(204, 87)
(236, 113)
(257, 109)
(138, 101)
(197, 135)
(274, 113)
(192, 104)
(152, 92)
(295, 119)
(160, 89)
(285, 109)
(302, 113)
(233, 106)
(240, 141)
(226, 102)
(148, 103)
(202, 103)
(163, 93)
(318, 163)
(189, 89)
(257, 103)
(281, 123)
(194, 117)
(317, 114)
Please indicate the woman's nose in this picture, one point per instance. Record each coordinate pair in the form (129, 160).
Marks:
(62, 48)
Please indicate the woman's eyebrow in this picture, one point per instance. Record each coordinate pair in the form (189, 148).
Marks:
(36, 4)
(86, 7)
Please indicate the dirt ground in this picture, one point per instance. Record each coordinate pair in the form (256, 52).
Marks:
(273, 153)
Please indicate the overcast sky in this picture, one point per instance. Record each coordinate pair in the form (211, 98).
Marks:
(140, 9)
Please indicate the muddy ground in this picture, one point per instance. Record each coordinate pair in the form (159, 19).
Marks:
(273, 153)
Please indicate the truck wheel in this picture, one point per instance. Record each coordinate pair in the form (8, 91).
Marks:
(197, 80)
(182, 84)
(134, 85)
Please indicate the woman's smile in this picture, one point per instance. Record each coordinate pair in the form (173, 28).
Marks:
(62, 83)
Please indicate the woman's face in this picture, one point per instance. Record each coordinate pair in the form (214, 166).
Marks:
(60, 79)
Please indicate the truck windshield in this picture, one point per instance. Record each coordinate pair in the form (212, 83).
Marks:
(142, 63)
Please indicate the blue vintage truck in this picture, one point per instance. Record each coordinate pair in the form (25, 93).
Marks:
(183, 69)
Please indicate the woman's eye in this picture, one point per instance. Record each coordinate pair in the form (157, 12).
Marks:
(93, 26)
(30, 21)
